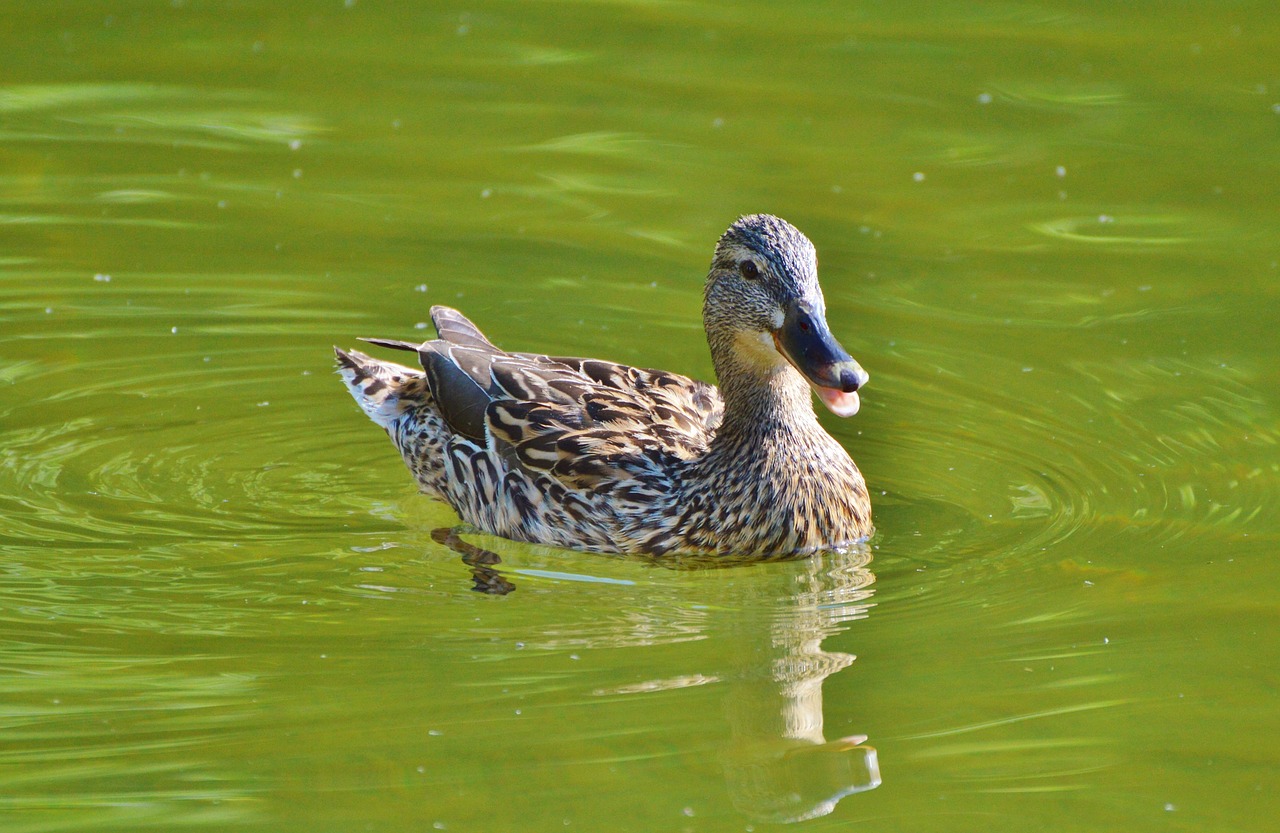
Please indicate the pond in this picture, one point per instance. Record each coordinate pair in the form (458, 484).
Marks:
(1046, 229)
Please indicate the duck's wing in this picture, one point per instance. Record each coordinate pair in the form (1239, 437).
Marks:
(692, 406)
(613, 423)
(587, 422)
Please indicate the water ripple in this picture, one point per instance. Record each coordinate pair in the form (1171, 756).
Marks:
(153, 424)
(1165, 448)
(127, 735)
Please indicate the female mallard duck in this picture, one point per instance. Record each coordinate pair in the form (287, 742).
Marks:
(593, 455)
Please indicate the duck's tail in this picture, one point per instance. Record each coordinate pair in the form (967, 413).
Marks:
(379, 388)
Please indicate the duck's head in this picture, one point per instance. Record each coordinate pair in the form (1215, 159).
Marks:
(764, 310)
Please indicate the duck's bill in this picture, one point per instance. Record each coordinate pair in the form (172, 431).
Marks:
(806, 342)
(838, 402)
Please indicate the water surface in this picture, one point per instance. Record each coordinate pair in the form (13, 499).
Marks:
(1047, 230)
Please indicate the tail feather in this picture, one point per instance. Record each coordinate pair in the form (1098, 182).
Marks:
(375, 385)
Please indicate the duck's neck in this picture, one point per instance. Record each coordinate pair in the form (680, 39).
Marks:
(763, 395)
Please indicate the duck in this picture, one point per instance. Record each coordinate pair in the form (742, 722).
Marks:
(593, 455)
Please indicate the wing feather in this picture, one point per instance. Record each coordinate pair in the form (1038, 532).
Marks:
(455, 328)
(589, 424)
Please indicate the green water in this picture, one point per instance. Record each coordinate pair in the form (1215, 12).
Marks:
(1047, 230)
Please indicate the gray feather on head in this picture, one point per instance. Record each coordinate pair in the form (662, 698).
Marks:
(788, 266)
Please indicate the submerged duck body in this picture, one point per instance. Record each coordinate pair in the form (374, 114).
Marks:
(593, 455)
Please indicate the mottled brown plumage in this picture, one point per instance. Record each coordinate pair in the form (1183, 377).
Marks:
(593, 455)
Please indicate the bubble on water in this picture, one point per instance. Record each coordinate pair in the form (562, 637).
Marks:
(984, 98)
(918, 176)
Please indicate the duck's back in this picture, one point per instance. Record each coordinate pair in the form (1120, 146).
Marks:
(573, 452)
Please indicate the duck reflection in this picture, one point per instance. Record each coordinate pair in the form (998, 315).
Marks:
(778, 765)
(485, 576)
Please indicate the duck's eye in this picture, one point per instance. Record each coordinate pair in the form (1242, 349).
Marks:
(749, 269)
